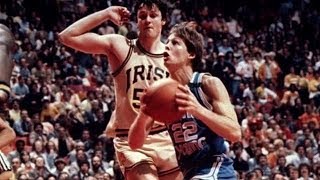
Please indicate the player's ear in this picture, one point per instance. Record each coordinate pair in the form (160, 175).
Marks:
(192, 55)
(163, 22)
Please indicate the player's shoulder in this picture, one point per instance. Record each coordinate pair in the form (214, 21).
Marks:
(116, 39)
(209, 80)
(213, 87)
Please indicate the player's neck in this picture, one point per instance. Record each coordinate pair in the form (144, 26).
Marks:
(183, 75)
(152, 45)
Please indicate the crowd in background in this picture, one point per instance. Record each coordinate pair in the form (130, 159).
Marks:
(62, 99)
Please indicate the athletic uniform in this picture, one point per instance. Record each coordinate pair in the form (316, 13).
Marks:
(200, 151)
(136, 73)
(4, 163)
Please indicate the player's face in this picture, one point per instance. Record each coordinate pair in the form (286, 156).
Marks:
(149, 21)
(176, 54)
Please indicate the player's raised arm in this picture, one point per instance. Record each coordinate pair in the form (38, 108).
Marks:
(79, 37)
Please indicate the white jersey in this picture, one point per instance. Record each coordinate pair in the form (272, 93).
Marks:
(136, 73)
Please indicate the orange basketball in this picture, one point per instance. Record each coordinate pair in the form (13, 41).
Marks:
(160, 101)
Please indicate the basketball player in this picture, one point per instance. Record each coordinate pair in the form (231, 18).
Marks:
(209, 115)
(135, 64)
(7, 134)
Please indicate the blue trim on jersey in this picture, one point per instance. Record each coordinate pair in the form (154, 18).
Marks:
(200, 152)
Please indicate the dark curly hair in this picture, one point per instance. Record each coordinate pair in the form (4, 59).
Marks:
(162, 6)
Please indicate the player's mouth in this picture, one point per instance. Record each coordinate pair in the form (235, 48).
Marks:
(165, 56)
(149, 27)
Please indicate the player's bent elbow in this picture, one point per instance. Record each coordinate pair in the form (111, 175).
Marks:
(63, 38)
(235, 135)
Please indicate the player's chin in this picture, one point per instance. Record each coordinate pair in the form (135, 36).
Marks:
(170, 66)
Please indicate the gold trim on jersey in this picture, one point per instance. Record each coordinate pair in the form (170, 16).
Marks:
(118, 70)
(147, 52)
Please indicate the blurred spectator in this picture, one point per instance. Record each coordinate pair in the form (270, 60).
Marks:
(20, 89)
(60, 167)
(23, 126)
(37, 134)
(40, 169)
(15, 112)
(19, 147)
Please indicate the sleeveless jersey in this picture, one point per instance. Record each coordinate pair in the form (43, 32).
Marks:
(137, 72)
(200, 151)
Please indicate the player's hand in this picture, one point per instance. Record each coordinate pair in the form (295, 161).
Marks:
(186, 101)
(118, 15)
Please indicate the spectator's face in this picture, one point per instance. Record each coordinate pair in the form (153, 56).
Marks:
(96, 161)
(290, 144)
(45, 90)
(106, 176)
(64, 176)
(38, 145)
(279, 177)
(15, 105)
(23, 177)
(258, 173)
(84, 168)
(24, 115)
(39, 162)
(81, 155)
(271, 148)
(15, 163)
(238, 151)
(301, 151)
(263, 161)
(85, 135)
(304, 171)
(25, 157)
(20, 146)
(38, 129)
(60, 166)
(20, 81)
(51, 145)
(62, 132)
(99, 177)
(282, 161)
(99, 153)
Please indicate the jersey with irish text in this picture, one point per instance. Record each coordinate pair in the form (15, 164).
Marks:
(137, 72)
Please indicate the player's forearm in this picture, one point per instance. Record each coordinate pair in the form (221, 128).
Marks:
(7, 135)
(223, 125)
(6, 175)
(139, 131)
(84, 25)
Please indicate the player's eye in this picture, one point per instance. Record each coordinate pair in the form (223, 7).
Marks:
(142, 16)
(174, 42)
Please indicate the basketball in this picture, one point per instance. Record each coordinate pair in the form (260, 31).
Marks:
(160, 101)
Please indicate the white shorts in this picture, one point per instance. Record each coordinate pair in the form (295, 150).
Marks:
(157, 150)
